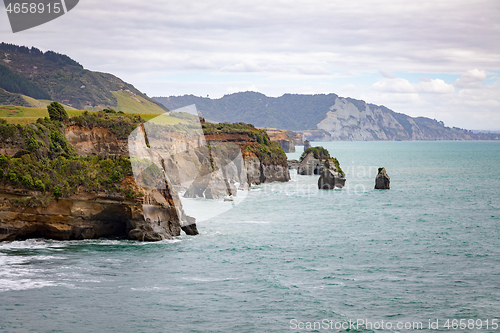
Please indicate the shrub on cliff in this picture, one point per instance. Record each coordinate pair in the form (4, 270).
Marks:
(44, 138)
(57, 112)
(268, 152)
(322, 154)
(119, 123)
(319, 153)
(63, 176)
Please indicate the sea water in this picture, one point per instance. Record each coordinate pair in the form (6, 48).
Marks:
(291, 258)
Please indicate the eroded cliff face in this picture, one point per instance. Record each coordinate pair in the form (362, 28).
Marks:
(258, 169)
(95, 141)
(346, 121)
(356, 120)
(128, 209)
(151, 217)
(258, 172)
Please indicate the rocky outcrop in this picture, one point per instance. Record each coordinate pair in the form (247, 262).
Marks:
(310, 165)
(286, 142)
(258, 169)
(330, 179)
(259, 172)
(307, 145)
(153, 217)
(331, 175)
(210, 184)
(298, 138)
(382, 181)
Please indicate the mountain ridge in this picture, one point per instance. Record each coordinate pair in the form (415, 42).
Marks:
(332, 116)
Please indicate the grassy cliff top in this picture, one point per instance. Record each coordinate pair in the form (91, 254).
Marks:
(268, 152)
(321, 153)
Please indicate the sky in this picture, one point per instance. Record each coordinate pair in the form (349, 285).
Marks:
(434, 58)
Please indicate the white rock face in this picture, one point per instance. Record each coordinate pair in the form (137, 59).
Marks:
(346, 121)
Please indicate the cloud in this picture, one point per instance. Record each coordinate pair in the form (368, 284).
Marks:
(473, 103)
(435, 86)
(399, 85)
(387, 74)
(472, 79)
(395, 85)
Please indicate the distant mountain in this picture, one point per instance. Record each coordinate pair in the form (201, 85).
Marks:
(28, 72)
(322, 117)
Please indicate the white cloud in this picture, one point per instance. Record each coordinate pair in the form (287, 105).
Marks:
(471, 104)
(435, 86)
(395, 85)
(471, 79)
(399, 85)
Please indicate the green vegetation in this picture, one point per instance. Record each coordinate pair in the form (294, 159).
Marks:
(58, 77)
(268, 152)
(127, 101)
(47, 163)
(290, 111)
(49, 55)
(17, 84)
(25, 115)
(237, 128)
(57, 112)
(319, 153)
(12, 99)
(64, 176)
(119, 123)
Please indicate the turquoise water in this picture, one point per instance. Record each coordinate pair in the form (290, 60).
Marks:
(289, 255)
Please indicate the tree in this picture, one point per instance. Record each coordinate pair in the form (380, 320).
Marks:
(57, 112)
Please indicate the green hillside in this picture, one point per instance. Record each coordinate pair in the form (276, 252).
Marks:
(52, 76)
(290, 111)
(25, 115)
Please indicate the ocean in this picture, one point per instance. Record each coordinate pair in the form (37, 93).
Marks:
(423, 256)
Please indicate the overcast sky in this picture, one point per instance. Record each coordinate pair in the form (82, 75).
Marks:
(433, 58)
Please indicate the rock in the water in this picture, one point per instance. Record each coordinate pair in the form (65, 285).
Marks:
(330, 179)
(189, 226)
(309, 165)
(382, 181)
(307, 145)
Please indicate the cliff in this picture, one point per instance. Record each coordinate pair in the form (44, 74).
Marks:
(264, 159)
(47, 189)
(284, 139)
(83, 215)
(75, 180)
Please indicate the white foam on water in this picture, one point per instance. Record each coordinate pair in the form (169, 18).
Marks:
(24, 284)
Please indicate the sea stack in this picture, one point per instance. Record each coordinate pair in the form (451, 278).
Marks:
(329, 179)
(307, 145)
(382, 181)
